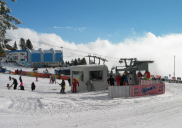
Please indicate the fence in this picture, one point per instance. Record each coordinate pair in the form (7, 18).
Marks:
(119, 91)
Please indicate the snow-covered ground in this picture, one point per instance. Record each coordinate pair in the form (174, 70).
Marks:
(46, 108)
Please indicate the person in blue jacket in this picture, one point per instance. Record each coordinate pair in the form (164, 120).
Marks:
(125, 79)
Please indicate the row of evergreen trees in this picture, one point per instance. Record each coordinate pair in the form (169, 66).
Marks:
(22, 44)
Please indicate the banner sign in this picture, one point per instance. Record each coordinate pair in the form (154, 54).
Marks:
(152, 76)
(174, 78)
(178, 78)
(158, 76)
(143, 90)
(147, 82)
(165, 77)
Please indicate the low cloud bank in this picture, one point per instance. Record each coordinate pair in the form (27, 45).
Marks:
(149, 47)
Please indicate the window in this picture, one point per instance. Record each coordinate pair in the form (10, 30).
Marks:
(22, 59)
(78, 75)
(22, 54)
(96, 75)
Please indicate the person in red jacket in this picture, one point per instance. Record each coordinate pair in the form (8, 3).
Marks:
(118, 79)
(139, 74)
(147, 73)
(75, 82)
(36, 77)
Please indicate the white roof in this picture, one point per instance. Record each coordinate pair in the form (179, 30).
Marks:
(58, 51)
(46, 51)
(35, 51)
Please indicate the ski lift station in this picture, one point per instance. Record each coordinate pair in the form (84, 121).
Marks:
(88, 75)
(94, 77)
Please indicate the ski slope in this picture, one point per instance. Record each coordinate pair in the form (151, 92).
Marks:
(46, 108)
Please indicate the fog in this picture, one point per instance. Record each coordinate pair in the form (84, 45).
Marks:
(160, 49)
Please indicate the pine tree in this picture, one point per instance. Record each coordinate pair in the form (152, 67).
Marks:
(29, 44)
(1, 50)
(6, 20)
(83, 62)
(15, 46)
(75, 62)
(22, 44)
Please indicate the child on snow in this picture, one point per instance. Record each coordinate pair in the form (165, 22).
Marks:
(21, 86)
(50, 79)
(36, 77)
(8, 86)
(33, 86)
(9, 78)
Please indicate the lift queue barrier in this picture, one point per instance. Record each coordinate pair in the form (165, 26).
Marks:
(147, 82)
(135, 90)
(119, 91)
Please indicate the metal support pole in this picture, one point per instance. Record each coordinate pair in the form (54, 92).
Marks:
(174, 66)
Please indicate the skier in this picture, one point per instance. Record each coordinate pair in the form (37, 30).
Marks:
(20, 79)
(21, 71)
(8, 86)
(36, 77)
(14, 83)
(75, 82)
(118, 79)
(55, 80)
(9, 78)
(111, 81)
(50, 79)
(62, 84)
(33, 86)
(21, 86)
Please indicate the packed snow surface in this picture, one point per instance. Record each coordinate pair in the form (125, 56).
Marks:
(46, 108)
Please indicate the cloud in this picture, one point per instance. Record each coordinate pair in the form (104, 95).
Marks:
(62, 27)
(80, 29)
(161, 49)
(132, 29)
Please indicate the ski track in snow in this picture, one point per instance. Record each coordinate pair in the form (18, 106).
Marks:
(45, 107)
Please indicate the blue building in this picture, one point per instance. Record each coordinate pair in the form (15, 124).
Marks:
(39, 58)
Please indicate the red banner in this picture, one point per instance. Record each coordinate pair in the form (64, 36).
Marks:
(158, 76)
(174, 78)
(143, 90)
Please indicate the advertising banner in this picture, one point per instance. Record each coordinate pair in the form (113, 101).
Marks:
(178, 78)
(152, 76)
(174, 78)
(42, 75)
(158, 76)
(165, 77)
(147, 82)
(143, 90)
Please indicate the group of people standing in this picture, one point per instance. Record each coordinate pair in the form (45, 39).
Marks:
(123, 80)
(15, 83)
(52, 79)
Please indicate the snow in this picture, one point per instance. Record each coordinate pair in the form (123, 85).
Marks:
(45, 107)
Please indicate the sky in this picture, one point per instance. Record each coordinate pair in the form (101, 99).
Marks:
(146, 30)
